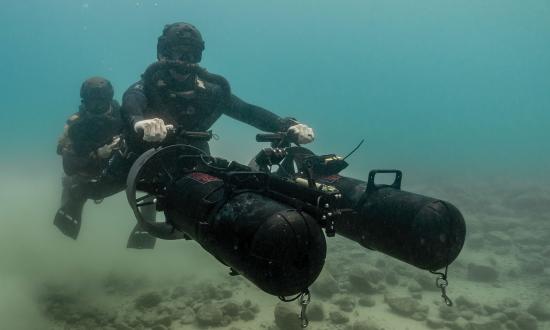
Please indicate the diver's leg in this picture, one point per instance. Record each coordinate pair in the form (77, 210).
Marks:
(69, 216)
(139, 238)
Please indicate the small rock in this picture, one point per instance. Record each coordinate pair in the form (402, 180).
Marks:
(534, 267)
(316, 311)
(286, 317)
(232, 309)
(458, 324)
(148, 300)
(365, 278)
(447, 313)
(418, 316)
(511, 313)
(405, 306)
(527, 322)
(489, 325)
(500, 317)
(490, 309)
(434, 323)
(540, 309)
(475, 241)
(365, 325)
(121, 326)
(209, 315)
(345, 303)
(467, 315)
(481, 273)
(466, 303)
(366, 301)
(511, 325)
(417, 295)
(392, 279)
(498, 238)
(165, 321)
(187, 316)
(178, 292)
(414, 287)
(325, 285)
(247, 315)
(338, 318)
(426, 282)
(509, 302)
(380, 263)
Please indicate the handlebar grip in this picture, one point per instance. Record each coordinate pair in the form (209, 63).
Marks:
(196, 135)
(270, 137)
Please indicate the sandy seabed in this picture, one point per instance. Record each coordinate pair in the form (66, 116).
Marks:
(501, 280)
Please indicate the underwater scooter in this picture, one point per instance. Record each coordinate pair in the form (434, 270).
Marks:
(268, 226)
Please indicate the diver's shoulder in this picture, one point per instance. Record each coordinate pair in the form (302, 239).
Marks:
(216, 79)
(73, 118)
(135, 87)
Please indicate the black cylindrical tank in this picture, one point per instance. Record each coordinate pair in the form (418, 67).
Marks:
(425, 232)
(278, 248)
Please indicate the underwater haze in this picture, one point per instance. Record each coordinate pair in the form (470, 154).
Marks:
(456, 94)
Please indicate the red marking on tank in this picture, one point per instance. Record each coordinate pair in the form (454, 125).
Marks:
(203, 177)
(331, 178)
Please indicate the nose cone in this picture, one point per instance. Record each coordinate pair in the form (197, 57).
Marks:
(289, 250)
(441, 233)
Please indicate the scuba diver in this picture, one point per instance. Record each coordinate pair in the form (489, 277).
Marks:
(90, 138)
(175, 90)
(177, 95)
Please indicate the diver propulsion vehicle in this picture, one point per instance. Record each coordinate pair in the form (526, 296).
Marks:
(268, 225)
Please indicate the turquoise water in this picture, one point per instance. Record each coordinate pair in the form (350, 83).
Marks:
(454, 93)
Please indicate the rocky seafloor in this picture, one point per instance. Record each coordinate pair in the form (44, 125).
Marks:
(500, 281)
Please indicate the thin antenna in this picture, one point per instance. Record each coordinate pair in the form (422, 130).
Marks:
(355, 149)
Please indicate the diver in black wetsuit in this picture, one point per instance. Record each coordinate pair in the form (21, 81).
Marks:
(89, 139)
(177, 91)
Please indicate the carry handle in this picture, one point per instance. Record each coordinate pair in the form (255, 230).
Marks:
(372, 186)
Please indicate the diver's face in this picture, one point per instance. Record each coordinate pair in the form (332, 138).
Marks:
(184, 53)
(97, 106)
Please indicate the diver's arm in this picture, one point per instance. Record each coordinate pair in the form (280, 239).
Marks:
(72, 162)
(134, 104)
(63, 142)
(82, 165)
(256, 116)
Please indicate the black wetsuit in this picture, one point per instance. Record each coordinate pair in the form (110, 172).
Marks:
(192, 99)
(84, 134)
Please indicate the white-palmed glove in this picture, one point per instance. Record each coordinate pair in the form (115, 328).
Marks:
(302, 133)
(107, 150)
(154, 129)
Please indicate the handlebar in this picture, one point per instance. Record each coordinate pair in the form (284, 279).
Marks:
(194, 135)
(277, 140)
(178, 131)
(270, 137)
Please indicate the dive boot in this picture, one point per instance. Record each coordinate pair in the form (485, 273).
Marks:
(69, 217)
(140, 239)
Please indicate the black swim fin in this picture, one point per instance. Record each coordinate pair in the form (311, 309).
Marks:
(140, 239)
(69, 217)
